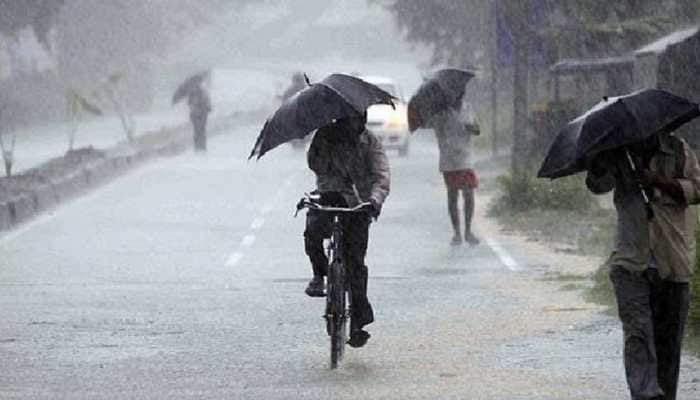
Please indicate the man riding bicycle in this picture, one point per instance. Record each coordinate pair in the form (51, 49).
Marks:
(349, 162)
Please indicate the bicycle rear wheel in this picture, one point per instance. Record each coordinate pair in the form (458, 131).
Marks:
(336, 314)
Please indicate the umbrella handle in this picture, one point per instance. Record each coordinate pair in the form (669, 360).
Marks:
(647, 203)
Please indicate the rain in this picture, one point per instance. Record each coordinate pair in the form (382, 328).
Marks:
(349, 199)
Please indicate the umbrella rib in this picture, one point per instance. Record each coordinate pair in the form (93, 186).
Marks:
(340, 95)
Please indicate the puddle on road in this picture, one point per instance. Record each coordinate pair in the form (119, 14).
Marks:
(565, 309)
(443, 271)
(371, 278)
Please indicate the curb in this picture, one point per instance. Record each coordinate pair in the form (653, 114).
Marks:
(18, 210)
(45, 197)
(21, 209)
(70, 185)
(5, 216)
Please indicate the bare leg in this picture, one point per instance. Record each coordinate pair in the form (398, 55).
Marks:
(452, 209)
(468, 195)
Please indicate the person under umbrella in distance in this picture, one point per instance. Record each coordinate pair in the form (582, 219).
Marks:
(199, 103)
(626, 145)
(438, 104)
(350, 167)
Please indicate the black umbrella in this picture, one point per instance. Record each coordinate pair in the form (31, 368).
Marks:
(319, 104)
(444, 88)
(189, 85)
(613, 123)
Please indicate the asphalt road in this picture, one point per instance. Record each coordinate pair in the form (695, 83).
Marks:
(185, 278)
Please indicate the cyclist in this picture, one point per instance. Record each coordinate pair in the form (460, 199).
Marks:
(349, 162)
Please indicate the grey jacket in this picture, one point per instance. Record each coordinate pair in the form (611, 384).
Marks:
(340, 164)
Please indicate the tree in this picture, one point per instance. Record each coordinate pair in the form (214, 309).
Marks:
(111, 90)
(40, 15)
(7, 149)
(533, 34)
(77, 106)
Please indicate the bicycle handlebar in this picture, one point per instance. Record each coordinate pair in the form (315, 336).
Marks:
(307, 203)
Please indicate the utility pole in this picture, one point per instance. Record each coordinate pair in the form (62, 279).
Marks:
(518, 16)
(493, 70)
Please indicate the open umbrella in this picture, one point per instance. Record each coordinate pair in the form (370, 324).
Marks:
(436, 94)
(613, 123)
(189, 85)
(319, 104)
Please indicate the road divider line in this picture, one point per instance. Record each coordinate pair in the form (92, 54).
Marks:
(503, 255)
(257, 223)
(248, 240)
(233, 259)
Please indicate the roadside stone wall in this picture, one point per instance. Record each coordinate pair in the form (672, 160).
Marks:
(46, 186)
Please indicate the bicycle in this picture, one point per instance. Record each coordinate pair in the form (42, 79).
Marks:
(338, 296)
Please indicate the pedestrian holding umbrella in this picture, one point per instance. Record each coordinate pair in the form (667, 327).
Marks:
(438, 105)
(199, 103)
(627, 146)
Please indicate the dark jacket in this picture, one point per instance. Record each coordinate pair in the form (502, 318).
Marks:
(199, 102)
(666, 235)
(338, 164)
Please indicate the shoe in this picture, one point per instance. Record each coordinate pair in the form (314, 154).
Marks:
(358, 338)
(456, 240)
(316, 287)
(471, 239)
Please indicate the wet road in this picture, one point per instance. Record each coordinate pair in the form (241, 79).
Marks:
(185, 278)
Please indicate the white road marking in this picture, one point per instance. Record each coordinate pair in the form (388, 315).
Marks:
(267, 208)
(248, 240)
(257, 223)
(503, 255)
(233, 260)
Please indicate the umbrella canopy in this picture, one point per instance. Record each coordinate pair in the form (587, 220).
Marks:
(335, 97)
(189, 85)
(444, 88)
(613, 123)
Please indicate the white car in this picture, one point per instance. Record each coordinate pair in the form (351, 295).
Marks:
(390, 125)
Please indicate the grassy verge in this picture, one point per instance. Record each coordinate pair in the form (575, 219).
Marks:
(564, 214)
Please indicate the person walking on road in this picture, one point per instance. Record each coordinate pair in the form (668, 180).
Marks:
(650, 266)
(349, 162)
(454, 128)
(200, 106)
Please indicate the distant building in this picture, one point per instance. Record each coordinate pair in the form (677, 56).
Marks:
(673, 63)
(584, 82)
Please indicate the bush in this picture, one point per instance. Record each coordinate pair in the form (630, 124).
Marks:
(525, 191)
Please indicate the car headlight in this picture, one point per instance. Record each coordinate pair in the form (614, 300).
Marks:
(396, 120)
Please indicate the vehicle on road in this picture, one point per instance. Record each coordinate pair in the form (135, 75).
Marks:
(338, 296)
(389, 124)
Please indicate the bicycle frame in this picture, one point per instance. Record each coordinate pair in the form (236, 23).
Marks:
(338, 298)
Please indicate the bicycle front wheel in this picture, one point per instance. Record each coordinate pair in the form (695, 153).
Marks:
(337, 318)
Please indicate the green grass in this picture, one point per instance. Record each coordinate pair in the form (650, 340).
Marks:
(562, 212)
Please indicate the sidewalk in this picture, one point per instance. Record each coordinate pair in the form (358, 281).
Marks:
(38, 144)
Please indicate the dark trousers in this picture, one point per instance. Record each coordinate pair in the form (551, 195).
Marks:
(199, 125)
(653, 314)
(355, 238)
